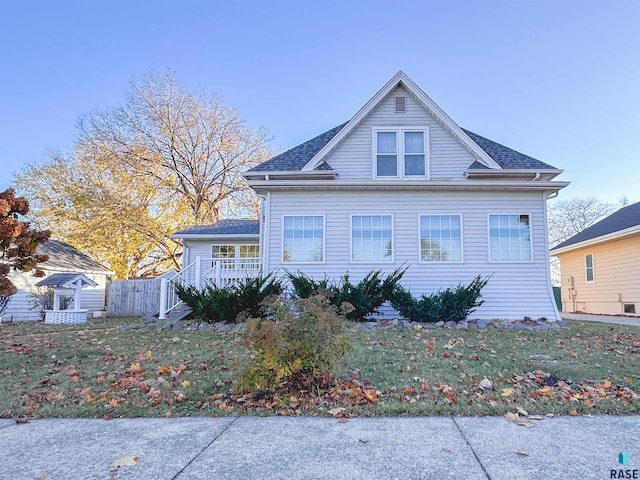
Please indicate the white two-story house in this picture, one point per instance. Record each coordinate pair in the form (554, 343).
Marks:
(399, 184)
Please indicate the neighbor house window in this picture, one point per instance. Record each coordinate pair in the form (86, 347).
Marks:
(303, 239)
(440, 238)
(588, 268)
(509, 238)
(400, 152)
(371, 238)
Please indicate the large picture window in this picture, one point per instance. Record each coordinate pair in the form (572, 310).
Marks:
(509, 238)
(303, 239)
(371, 238)
(440, 238)
(400, 152)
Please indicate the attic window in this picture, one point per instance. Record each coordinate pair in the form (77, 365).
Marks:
(400, 105)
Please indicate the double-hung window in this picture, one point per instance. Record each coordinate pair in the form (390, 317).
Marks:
(440, 238)
(303, 239)
(401, 152)
(588, 268)
(371, 238)
(509, 238)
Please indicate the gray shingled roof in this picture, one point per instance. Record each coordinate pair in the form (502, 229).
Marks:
(224, 227)
(297, 157)
(624, 218)
(64, 279)
(63, 256)
(505, 156)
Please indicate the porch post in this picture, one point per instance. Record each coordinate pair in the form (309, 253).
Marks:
(218, 273)
(198, 272)
(162, 311)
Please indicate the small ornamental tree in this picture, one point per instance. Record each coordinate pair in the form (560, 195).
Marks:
(18, 242)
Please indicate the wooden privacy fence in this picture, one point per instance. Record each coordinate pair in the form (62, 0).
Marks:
(133, 297)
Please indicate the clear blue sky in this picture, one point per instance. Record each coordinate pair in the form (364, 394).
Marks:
(558, 80)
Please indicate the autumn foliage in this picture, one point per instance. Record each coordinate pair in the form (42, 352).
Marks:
(18, 242)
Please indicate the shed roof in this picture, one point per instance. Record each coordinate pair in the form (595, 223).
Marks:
(63, 256)
(623, 219)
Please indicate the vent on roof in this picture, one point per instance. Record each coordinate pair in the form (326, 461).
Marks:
(400, 104)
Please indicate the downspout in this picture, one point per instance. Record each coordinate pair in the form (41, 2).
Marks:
(261, 236)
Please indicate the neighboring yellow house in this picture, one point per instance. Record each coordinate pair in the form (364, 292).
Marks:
(601, 266)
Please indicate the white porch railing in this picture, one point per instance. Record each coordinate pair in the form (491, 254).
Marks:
(219, 272)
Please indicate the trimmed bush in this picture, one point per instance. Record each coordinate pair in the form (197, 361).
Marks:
(298, 342)
(452, 304)
(232, 303)
(366, 297)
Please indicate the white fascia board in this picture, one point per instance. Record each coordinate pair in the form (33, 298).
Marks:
(512, 171)
(601, 239)
(402, 78)
(217, 236)
(77, 270)
(400, 185)
(275, 173)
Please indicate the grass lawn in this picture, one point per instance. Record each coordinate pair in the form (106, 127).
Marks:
(109, 368)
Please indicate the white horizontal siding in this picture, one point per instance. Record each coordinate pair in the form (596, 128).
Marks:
(353, 158)
(515, 290)
(93, 298)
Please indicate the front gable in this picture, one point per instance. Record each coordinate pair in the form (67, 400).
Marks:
(354, 156)
(414, 146)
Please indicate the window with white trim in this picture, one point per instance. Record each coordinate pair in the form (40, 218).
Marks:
(303, 239)
(440, 238)
(588, 268)
(509, 238)
(400, 152)
(371, 238)
(231, 252)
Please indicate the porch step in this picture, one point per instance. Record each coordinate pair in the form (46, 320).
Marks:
(178, 314)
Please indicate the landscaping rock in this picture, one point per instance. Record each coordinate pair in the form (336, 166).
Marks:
(462, 325)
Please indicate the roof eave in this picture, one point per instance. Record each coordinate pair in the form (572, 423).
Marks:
(214, 236)
(600, 239)
(276, 174)
(506, 172)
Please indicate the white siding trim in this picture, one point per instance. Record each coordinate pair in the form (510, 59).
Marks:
(530, 238)
(393, 243)
(461, 239)
(547, 262)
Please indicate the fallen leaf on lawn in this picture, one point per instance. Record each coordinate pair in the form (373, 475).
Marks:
(521, 453)
(522, 411)
(589, 403)
(125, 462)
(108, 417)
(573, 412)
(485, 383)
(506, 392)
(21, 421)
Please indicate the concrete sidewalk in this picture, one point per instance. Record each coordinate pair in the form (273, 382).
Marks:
(319, 448)
(586, 317)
